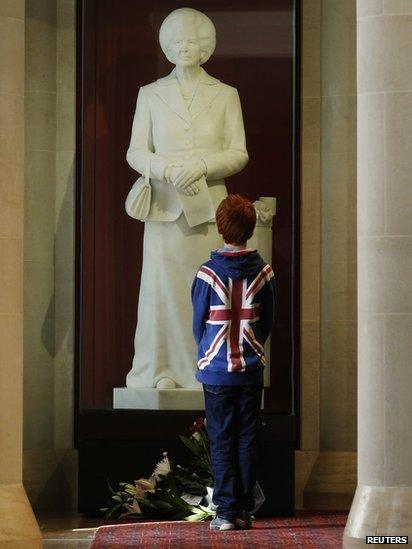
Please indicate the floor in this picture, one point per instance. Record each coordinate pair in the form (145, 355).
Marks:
(75, 532)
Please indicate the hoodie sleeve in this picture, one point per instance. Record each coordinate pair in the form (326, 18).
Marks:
(267, 307)
(201, 303)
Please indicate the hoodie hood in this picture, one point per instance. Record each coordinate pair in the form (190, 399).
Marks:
(240, 264)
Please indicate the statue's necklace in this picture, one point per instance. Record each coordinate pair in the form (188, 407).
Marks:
(190, 96)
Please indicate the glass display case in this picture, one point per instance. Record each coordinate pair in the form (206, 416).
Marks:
(118, 52)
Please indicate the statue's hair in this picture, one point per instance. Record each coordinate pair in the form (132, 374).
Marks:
(204, 27)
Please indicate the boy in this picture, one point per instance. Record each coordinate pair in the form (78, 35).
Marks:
(233, 298)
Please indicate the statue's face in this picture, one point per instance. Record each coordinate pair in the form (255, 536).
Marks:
(185, 44)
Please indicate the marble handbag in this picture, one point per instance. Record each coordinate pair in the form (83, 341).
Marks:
(140, 196)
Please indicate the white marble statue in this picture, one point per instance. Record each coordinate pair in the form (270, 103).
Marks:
(187, 130)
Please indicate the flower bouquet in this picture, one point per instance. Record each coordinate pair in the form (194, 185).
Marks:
(174, 492)
(171, 492)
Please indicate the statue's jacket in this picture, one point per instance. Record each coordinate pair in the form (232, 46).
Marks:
(165, 131)
(233, 296)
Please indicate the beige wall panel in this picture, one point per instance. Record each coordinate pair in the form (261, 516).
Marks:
(338, 195)
(397, 6)
(383, 54)
(11, 399)
(338, 233)
(310, 125)
(11, 188)
(10, 280)
(338, 404)
(310, 288)
(40, 53)
(304, 462)
(339, 48)
(65, 216)
(371, 180)
(39, 205)
(66, 45)
(11, 152)
(371, 430)
(340, 340)
(38, 340)
(339, 126)
(11, 56)
(398, 382)
(385, 274)
(310, 385)
(38, 290)
(310, 237)
(339, 245)
(398, 159)
(339, 291)
(310, 209)
(39, 404)
(399, 198)
(369, 7)
(66, 125)
(311, 14)
(41, 111)
(12, 8)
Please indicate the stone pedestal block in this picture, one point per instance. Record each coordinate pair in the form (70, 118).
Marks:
(157, 399)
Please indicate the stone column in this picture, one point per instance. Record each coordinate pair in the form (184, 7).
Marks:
(18, 527)
(383, 500)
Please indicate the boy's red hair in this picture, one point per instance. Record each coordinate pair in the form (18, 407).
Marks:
(236, 219)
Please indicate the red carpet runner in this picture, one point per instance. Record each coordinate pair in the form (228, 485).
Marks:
(321, 531)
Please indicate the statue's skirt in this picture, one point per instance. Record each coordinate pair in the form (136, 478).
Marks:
(164, 344)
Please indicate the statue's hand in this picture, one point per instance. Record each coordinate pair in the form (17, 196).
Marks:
(190, 172)
(172, 173)
(192, 189)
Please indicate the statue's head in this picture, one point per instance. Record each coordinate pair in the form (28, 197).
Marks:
(187, 37)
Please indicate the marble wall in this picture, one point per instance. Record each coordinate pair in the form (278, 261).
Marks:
(338, 227)
(49, 460)
(40, 160)
(326, 463)
(11, 238)
(18, 527)
(310, 244)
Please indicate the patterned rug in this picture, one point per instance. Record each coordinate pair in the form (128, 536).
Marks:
(320, 531)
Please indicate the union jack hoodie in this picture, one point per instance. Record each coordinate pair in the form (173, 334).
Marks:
(233, 298)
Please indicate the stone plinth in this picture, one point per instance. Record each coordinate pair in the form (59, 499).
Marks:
(134, 398)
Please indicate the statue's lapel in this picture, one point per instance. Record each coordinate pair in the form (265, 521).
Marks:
(168, 90)
(206, 93)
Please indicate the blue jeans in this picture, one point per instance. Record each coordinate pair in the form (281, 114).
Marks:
(232, 415)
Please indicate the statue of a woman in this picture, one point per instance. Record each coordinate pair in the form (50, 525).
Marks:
(188, 126)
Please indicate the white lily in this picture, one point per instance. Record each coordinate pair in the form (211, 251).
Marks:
(145, 485)
(163, 467)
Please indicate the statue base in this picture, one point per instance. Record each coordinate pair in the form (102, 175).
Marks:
(139, 398)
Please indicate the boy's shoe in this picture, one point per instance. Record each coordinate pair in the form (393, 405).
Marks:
(243, 521)
(221, 524)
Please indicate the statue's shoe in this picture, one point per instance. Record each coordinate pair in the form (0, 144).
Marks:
(165, 383)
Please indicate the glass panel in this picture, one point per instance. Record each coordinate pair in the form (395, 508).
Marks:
(121, 53)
